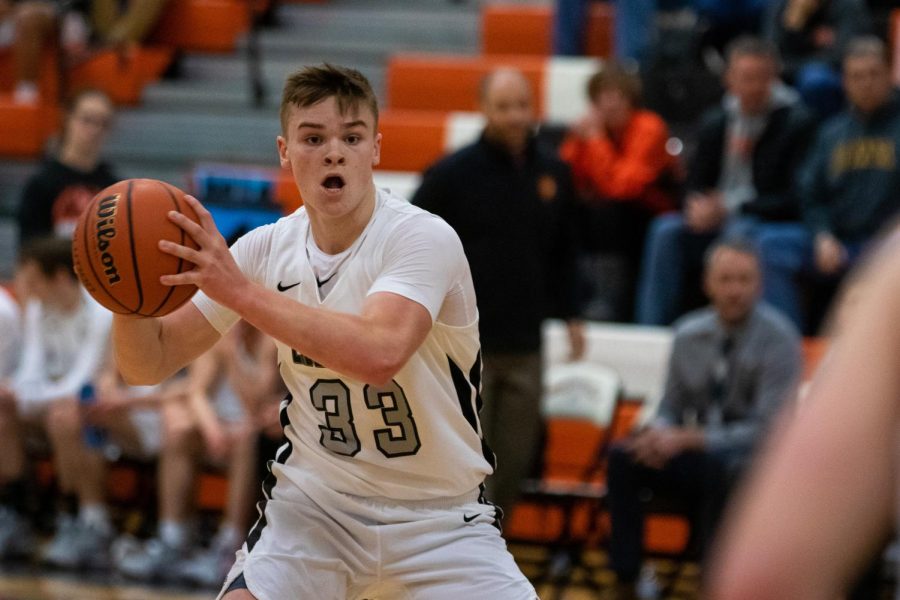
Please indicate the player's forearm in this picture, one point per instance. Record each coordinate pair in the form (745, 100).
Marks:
(149, 350)
(353, 345)
(138, 349)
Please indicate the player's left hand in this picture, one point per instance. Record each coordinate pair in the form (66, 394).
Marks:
(215, 270)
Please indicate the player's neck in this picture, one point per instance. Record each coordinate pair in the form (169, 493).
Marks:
(333, 235)
(79, 158)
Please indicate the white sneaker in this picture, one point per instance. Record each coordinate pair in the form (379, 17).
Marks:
(78, 545)
(208, 567)
(147, 561)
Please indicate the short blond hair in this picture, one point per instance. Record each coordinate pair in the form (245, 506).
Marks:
(311, 85)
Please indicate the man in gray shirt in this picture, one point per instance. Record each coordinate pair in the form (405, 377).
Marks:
(732, 366)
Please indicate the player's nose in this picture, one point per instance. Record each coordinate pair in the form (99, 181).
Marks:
(334, 154)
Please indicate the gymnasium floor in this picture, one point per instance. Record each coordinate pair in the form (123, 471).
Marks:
(26, 585)
(30, 583)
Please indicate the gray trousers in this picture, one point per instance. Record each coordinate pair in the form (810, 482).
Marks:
(511, 421)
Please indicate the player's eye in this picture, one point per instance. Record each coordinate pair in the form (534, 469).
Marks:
(313, 139)
(353, 138)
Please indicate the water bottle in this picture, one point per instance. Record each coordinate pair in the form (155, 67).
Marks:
(94, 436)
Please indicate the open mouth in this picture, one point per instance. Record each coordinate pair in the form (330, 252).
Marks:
(333, 182)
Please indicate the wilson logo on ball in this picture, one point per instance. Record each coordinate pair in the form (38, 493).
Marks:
(116, 247)
(106, 230)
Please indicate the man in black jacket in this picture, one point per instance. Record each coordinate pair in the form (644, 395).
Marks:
(511, 204)
(748, 149)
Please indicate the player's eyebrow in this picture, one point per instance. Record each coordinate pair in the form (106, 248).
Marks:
(347, 125)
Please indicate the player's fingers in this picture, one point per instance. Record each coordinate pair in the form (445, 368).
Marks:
(180, 251)
(186, 278)
(206, 219)
(196, 231)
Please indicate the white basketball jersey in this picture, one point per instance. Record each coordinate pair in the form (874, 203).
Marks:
(418, 437)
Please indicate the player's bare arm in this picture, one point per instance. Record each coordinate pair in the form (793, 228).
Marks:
(149, 350)
(371, 346)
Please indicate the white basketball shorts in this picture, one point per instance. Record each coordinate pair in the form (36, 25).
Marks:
(326, 545)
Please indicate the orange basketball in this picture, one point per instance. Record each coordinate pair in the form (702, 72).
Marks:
(116, 251)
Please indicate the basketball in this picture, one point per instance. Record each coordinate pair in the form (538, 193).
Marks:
(116, 253)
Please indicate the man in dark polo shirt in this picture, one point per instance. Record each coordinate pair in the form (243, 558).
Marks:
(512, 205)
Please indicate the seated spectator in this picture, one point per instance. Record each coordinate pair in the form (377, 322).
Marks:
(849, 187)
(248, 366)
(10, 333)
(27, 26)
(635, 32)
(56, 195)
(623, 174)
(65, 338)
(77, 26)
(812, 36)
(121, 24)
(822, 501)
(748, 150)
(210, 424)
(732, 366)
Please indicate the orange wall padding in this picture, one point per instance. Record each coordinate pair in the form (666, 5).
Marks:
(443, 82)
(412, 140)
(524, 29)
(25, 128)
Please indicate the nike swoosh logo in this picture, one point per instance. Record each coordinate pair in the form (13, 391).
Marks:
(469, 519)
(284, 288)
(324, 281)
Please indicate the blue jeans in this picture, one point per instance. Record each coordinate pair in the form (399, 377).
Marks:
(671, 251)
(787, 254)
(634, 29)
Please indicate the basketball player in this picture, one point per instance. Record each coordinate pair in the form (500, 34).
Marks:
(376, 492)
(823, 500)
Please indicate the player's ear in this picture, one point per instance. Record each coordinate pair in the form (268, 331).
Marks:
(376, 154)
(282, 152)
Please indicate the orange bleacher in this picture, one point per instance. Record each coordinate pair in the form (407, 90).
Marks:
(197, 25)
(448, 82)
(25, 128)
(413, 140)
(664, 534)
(528, 30)
(202, 25)
(122, 75)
